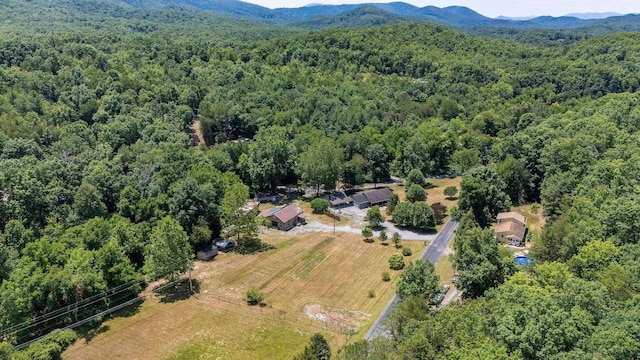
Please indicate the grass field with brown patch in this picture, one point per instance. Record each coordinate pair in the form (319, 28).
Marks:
(535, 219)
(334, 272)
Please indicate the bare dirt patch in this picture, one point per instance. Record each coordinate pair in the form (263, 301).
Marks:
(349, 320)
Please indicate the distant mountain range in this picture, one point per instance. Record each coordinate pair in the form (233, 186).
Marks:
(231, 15)
(319, 16)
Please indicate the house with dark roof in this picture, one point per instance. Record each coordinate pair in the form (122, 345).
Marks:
(285, 217)
(339, 200)
(511, 228)
(374, 197)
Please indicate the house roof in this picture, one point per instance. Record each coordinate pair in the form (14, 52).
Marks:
(272, 211)
(340, 201)
(515, 229)
(378, 195)
(338, 198)
(288, 213)
(512, 215)
(359, 198)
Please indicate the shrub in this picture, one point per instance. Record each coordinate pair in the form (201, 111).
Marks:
(372, 294)
(383, 236)
(254, 296)
(450, 191)
(396, 238)
(396, 262)
(385, 276)
(406, 251)
(367, 233)
(535, 207)
(319, 205)
(50, 346)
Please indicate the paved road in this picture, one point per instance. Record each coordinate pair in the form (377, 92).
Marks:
(433, 252)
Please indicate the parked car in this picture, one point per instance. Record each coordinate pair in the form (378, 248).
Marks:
(225, 245)
(437, 299)
(455, 278)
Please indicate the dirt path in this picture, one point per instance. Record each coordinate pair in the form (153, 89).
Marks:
(196, 133)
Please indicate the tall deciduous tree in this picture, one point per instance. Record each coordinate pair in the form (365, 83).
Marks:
(88, 203)
(192, 202)
(320, 166)
(482, 191)
(517, 179)
(416, 193)
(415, 176)
(479, 262)
(168, 253)
(318, 349)
(418, 279)
(374, 217)
(238, 223)
(270, 157)
(377, 163)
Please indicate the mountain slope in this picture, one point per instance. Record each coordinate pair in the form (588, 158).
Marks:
(363, 16)
(43, 16)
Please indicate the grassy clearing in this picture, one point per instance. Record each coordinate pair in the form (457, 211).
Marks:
(535, 219)
(444, 269)
(333, 273)
(435, 191)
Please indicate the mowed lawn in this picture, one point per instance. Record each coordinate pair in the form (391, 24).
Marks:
(334, 273)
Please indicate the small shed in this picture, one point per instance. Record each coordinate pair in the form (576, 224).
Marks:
(207, 253)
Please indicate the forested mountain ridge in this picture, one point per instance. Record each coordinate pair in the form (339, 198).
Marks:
(103, 14)
(43, 16)
(96, 167)
(455, 16)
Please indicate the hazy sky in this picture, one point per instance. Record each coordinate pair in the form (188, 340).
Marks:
(492, 8)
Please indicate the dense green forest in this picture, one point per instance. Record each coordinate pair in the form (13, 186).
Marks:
(97, 167)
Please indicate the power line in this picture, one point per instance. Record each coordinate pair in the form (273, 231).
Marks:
(67, 309)
(102, 313)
